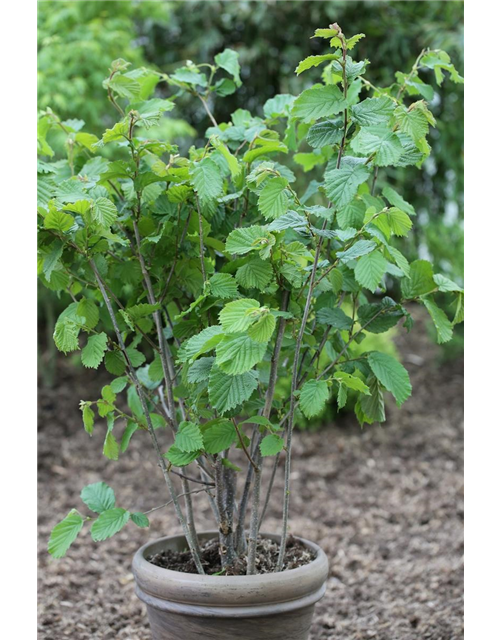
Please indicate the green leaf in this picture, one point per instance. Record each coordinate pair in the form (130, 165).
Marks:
(334, 318)
(319, 101)
(188, 438)
(314, 61)
(256, 274)
(232, 161)
(358, 249)
(238, 315)
(313, 397)
(88, 417)
(270, 146)
(59, 221)
(370, 269)
(446, 285)
(420, 280)
(373, 111)
(373, 405)
(326, 132)
(391, 374)
(228, 60)
(181, 458)
(115, 362)
(378, 318)
(238, 353)
(66, 335)
(93, 352)
(443, 325)
(87, 309)
(130, 429)
(65, 533)
(352, 382)
(140, 519)
(271, 445)
(381, 141)
(202, 342)
(263, 329)
(111, 449)
(412, 121)
(397, 201)
(227, 463)
(219, 437)
(109, 523)
(254, 238)
(223, 285)
(341, 184)
(200, 370)
(98, 497)
(398, 221)
(207, 179)
(273, 199)
(279, 106)
(104, 211)
(226, 392)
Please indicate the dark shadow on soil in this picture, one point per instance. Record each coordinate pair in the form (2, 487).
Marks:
(385, 504)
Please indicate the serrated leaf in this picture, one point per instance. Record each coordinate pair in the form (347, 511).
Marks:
(140, 519)
(412, 121)
(443, 325)
(238, 353)
(226, 392)
(369, 270)
(109, 523)
(65, 533)
(111, 449)
(446, 285)
(373, 405)
(98, 497)
(399, 222)
(228, 60)
(420, 280)
(188, 438)
(238, 315)
(219, 437)
(88, 417)
(254, 238)
(223, 285)
(115, 362)
(181, 458)
(202, 342)
(263, 329)
(378, 140)
(273, 199)
(271, 445)
(319, 101)
(314, 61)
(358, 249)
(313, 397)
(334, 318)
(373, 111)
(391, 374)
(207, 179)
(341, 184)
(66, 335)
(256, 274)
(397, 201)
(351, 382)
(326, 132)
(377, 318)
(93, 352)
(104, 211)
(200, 370)
(59, 221)
(88, 310)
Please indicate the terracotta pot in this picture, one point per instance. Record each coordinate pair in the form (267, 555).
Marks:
(188, 606)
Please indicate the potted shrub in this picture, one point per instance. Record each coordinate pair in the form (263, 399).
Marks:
(226, 301)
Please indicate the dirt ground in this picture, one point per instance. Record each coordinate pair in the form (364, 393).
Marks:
(384, 503)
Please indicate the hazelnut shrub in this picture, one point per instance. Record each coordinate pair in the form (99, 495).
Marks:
(224, 301)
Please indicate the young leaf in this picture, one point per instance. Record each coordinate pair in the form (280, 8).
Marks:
(443, 326)
(351, 382)
(238, 315)
(318, 102)
(226, 392)
(140, 519)
(111, 449)
(228, 60)
(254, 238)
(263, 329)
(93, 352)
(369, 270)
(104, 211)
(273, 199)
(219, 437)
(98, 497)
(207, 179)
(342, 184)
(271, 445)
(180, 458)
(314, 61)
(65, 533)
(420, 280)
(238, 353)
(381, 141)
(109, 523)
(313, 397)
(188, 438)
(88, 417)
(391, 374)
(256, 274)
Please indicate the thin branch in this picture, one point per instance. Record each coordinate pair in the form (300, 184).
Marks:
(181, 495)
(243, 445)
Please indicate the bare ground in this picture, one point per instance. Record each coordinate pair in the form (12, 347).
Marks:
(384, 503)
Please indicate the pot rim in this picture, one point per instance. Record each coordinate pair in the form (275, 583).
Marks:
(165, 585)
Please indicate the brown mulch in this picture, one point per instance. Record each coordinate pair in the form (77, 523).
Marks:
(384, 503)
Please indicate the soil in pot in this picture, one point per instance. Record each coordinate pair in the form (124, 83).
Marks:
(296, 555)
